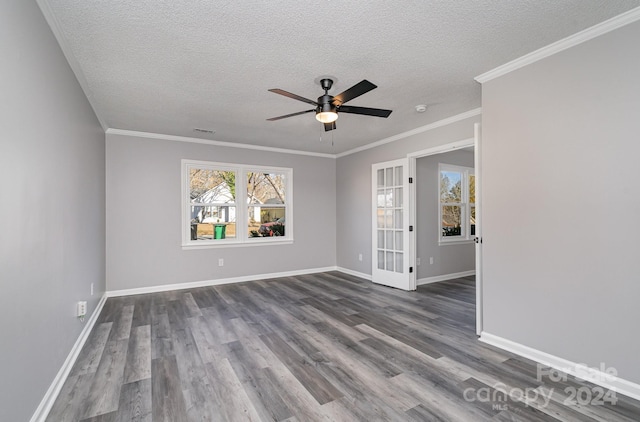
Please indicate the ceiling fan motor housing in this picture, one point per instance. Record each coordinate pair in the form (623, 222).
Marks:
(325, 103)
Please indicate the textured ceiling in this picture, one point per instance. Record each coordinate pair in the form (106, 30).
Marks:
(171, 66)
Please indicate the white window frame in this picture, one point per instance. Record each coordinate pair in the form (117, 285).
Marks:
(242, 206)
(466, 206)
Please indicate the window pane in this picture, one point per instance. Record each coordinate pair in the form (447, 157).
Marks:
(204, 219)
(213, 231)
(380, 239)
(398, 214)
(398, 176)
(389, 178)
(266, 221)
(389, 198)
(389, 236)
(451, 220)
(388, 218)
(398, 240)
(380, 219)
(380, 178)
(381, 260)
(472, 221)
(265, 188)
(211, 186)
(389, 263)
(380, 201)
(399, 264)
(397, 197)
(450, 186)
(472, 189)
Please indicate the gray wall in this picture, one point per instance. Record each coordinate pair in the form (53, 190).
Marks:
(144, 248)
(561, 204)
(353, 189)
(52, 209)
(449, 258)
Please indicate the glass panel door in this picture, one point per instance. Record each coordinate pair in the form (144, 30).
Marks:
(390, 213)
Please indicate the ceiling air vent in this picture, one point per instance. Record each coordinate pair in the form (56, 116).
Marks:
(209, 131)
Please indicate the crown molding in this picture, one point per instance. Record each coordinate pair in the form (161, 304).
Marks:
(431, 126)
(175, 138)
(421, 129)
(578, 38)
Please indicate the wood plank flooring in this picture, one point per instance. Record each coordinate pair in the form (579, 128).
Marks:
(322, 347)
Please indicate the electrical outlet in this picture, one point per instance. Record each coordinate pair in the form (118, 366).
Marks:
(359, 257)
(91, 289)
(81, 309)
(221, 262)
(430, 260)
(417, 261)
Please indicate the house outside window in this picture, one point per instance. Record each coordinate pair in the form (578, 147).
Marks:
(233, 205)
(457, 210)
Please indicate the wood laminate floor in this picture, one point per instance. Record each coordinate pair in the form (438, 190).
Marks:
(322, 347)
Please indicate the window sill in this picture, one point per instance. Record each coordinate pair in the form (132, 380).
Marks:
(235, 244)
(454, 242)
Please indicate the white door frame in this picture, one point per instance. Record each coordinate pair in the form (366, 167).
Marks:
(477, 164)
(465, 143)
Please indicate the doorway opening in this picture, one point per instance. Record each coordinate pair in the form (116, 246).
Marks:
(445, 211)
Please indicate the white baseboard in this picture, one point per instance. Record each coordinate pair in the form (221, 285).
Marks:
(204, 283)
(54, 389)
(437, 278)
(354, 273)
(593, 375)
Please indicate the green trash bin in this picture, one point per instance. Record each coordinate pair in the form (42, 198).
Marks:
(219, 231)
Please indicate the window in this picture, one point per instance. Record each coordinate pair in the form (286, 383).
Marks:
(231, 204)
(457, 208)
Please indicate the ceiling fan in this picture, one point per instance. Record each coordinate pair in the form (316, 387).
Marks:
(328, 106)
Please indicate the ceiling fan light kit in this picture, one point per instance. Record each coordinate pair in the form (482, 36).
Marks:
(328, 106)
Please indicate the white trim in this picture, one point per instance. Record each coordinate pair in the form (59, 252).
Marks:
(55, 26)
(477, 164)
(354, 273)
(431, 126)
(597, 377)
(440, 149)
(223, 244)
(218, 282)
(563, 44)
(438, 278)
(426, 128)
(124, 132)
(50, 396)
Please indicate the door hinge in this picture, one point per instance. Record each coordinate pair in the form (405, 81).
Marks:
(477, 239)
(410, 228)
(411, 180)
(410, 269)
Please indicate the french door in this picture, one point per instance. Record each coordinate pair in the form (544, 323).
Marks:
(391, 256)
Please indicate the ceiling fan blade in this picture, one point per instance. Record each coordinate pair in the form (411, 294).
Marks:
(378, 112)
(290, 115)
(329, 126)
(294, 96)
(357, 90)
